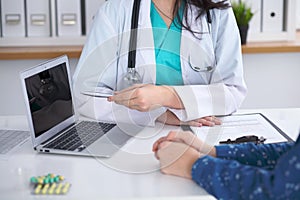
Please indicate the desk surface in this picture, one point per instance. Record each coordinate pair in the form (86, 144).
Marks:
(93, 178)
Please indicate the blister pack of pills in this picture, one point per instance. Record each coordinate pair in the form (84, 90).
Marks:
(49, 185)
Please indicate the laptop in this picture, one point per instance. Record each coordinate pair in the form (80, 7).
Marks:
(53, 125)
(11, 140)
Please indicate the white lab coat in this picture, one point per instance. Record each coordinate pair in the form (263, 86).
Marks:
(205, 93)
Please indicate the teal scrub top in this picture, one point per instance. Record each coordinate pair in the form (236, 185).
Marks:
(167, 48)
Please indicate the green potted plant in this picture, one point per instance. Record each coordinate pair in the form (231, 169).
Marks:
(243, 14)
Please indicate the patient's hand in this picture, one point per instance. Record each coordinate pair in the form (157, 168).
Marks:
(187, 138)
(178, 151)
(176, 158)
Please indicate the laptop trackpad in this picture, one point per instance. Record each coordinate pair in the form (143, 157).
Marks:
(101, 149)
(109, 143)
(116, 136)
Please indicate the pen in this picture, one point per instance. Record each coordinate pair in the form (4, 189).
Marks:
(186, 128)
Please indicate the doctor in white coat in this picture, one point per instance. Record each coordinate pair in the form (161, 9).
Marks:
(210, 61)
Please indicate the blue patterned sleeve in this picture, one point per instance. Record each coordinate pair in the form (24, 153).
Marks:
(230, 179)
(251, 154)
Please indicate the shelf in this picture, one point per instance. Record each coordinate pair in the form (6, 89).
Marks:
(15, 53)
(48, 52)
(40, 48)
(273, 47)
(253, 48)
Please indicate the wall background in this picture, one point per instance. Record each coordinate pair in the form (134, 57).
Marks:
(272, 79)
(11, 96)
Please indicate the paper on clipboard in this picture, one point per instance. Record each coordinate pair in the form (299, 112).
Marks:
(235, 126)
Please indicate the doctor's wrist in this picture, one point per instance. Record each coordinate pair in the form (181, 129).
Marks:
(170, 98)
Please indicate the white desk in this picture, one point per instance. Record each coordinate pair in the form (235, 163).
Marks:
(91, 179)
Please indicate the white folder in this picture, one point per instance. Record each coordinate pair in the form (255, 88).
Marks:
(13, 18)
(68, 17)
(273, 13)
(38, 17)
(255, 23)
(91, 8)
(0, 22)
(298, 14)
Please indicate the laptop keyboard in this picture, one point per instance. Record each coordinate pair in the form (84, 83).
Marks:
(80, 136)
(10, 139)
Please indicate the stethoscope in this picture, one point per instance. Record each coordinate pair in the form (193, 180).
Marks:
(132, 76)
(208, 68)
(202, 69)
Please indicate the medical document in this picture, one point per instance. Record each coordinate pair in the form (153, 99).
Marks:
(235, 126)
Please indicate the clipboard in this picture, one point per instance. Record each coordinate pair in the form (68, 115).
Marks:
(289, 139)
(239, 125)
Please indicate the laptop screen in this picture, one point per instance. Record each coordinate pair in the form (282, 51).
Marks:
(50, 99)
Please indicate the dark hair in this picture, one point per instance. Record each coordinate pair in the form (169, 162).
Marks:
(203, 7)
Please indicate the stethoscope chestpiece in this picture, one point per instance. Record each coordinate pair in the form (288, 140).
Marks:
(202, 69)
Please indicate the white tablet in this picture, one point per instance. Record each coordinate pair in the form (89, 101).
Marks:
(99, 92)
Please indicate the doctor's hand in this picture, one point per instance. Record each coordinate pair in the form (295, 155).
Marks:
(171, 119)
(187, 138)
(145, 97)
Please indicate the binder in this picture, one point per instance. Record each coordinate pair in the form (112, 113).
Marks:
(255, 23)
(68, 17)
(38, 17)
(0, 21)
(298, 15)
(273, 16)
(91, 8)
(13, 18)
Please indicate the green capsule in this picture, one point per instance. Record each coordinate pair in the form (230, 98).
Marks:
(33, 180)
(56, 179)
(51, 180)
(46, 180)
